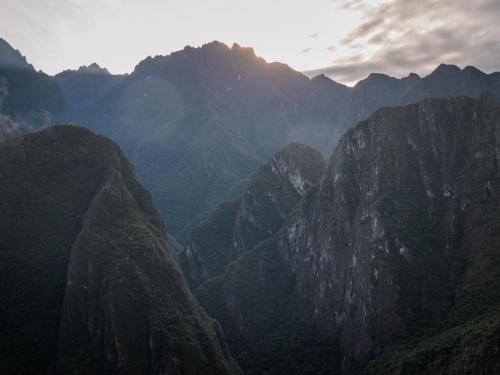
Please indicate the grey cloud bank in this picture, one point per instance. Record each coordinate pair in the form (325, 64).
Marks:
(401, 36)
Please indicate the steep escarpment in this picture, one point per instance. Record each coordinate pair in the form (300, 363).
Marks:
(401, 239)
(238, 226)
(87, 283)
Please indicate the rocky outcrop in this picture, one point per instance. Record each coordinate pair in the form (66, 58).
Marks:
(87, 283)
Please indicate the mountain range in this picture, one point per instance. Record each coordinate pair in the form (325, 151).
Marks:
(198, 122)
(310, 227)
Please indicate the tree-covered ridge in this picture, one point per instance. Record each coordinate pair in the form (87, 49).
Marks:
(85, 269)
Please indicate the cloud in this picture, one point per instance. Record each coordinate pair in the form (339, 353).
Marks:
(305, 50)
(400, 36)
(314, 35)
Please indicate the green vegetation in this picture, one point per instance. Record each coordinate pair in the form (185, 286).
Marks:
(470, 348)
(88, 284)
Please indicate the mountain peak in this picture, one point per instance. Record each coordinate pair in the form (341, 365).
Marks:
(12, 58)
(413, 76)
(93, 68)
(246, 51)
(446, 69)
(214, 46)
(473, 71)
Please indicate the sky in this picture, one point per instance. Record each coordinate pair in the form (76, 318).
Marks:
(344, 39)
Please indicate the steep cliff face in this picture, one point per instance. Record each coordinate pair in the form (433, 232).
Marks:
(236, 227)
(401, 239)
(87, 283)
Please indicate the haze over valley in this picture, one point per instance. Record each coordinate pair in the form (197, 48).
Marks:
(209, 210)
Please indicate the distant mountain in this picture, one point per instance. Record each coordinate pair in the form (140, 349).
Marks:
(196, 123)
(380, 90)
(85, 86)
(393, 258)
(448, 79)
(29, 100)
(86, 282)
(11, 58)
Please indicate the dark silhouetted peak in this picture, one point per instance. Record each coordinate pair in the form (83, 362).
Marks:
(321, 78)
(375, 79)
(413, 76)
(379, 76)
(93, 68)
(326, 82)
(215, 46)
(473, 71)
(245, 51)
(11, 58)
(446, 69)
(186, 59)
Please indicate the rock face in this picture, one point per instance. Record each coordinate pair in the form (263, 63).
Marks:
(237, 227)
(393, 258)
(86, 281)
(402, 235)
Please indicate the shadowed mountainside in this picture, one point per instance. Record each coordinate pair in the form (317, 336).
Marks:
(86, 281)
(393, 257)
(29, 100)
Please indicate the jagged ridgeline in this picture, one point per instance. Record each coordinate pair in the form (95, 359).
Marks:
(86, 281)
(198, 122)
(390, 265)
